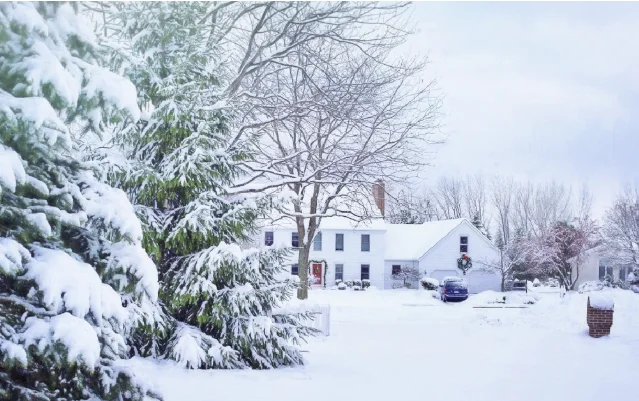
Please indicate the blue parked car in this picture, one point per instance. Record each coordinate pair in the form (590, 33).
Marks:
(453, 289)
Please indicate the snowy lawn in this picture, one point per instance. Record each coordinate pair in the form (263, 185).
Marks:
(401, 344)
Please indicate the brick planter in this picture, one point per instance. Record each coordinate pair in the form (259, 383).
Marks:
(599, 320)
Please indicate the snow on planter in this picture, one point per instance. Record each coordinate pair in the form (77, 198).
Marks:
(599, 314)
(601, 301)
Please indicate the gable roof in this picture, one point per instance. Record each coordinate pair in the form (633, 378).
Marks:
(412, 241)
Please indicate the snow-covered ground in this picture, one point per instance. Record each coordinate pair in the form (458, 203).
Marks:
(404, 345)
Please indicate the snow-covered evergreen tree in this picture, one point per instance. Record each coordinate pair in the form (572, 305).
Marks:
(182, 159)
(74, 278)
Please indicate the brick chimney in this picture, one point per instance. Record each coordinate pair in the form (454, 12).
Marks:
(379, 195)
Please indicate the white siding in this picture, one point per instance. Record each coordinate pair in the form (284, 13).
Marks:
(444, 255)
(351, 257)
(589, 270)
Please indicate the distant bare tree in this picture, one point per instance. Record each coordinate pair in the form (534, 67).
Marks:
(537, 207)
(449, 198)
(476, 200)
(501, 196)
(407, 206)
(621, 227)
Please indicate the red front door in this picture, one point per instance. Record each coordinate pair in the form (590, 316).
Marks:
(317, 273)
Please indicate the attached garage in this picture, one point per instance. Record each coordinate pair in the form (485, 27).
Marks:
(482, 280)
(440, 274)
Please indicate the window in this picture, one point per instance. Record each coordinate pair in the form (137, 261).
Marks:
(339, 272)
(295, 240)
(604, 270)
(339, 242)
(622, 274)
(294, 269)
(268, 238)
(317, 242)
(463, 244)
(366, 243)
(396, 269)
(366, 270)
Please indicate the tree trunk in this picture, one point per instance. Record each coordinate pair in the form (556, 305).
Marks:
(302, 271)
(503, 283)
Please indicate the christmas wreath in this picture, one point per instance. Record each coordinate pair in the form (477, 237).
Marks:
(464, 263)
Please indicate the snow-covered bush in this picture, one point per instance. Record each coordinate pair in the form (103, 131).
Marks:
(590, 286)
(366, 284)
(536, 283)
(429, 283)
(356, 287)
(342, 286)
(75, 281)
(349, 283)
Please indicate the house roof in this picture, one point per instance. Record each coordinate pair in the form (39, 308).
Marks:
(412, 241)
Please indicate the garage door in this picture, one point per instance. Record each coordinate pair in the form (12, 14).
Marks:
(440, 274)
(480, 280)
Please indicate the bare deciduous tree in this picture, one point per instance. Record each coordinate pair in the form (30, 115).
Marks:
(407, 206)
(449, 197)
(406, 277)
(501, 196)
(621, 227)
(512, 256)
(353, 118)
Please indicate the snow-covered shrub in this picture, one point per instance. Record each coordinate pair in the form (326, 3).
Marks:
(357, 283)
(349, 283)
(536, 283)
(429, 283)
(75, 281)
(338, 282)
(590, 286)
(342, 286)
(366, 284)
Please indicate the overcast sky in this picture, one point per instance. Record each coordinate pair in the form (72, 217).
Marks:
(539, 90)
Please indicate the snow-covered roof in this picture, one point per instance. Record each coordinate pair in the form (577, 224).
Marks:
(411, 241)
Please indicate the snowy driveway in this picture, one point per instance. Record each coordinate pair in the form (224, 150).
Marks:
(387, 345)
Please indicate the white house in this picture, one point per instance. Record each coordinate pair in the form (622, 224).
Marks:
(345, 250)
(435, 248)
(595, 267)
